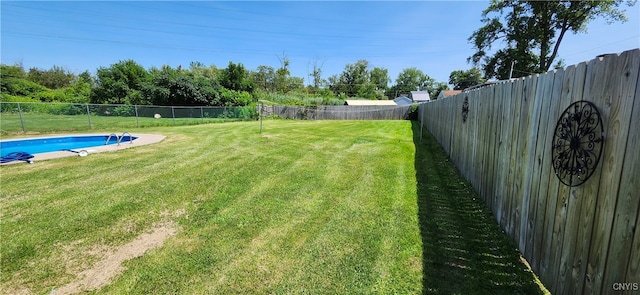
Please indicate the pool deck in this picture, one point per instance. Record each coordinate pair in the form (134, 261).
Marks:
(143, 139)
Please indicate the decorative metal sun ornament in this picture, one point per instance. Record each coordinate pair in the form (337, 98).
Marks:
(577, 143)
(465, 109)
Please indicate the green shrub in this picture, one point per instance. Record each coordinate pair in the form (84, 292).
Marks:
(124, 111)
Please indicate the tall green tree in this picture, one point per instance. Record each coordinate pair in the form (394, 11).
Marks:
(410, 79)
(532, 32)
(236, 77)
(282, 75)
(379, 77)
(54, 78)
(413, 79)
(464, 79)
(357, 81)
(121, 83)
(264, 78)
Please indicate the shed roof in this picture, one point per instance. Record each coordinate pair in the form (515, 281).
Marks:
(367, 102)
(420, 96)
(447, 93)
(450, 92)
(402, 100)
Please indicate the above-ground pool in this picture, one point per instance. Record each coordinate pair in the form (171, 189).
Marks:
(62, 143)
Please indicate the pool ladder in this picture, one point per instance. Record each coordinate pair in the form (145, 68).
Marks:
(119, 138)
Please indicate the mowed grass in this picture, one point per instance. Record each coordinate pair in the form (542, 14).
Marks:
(321, 207)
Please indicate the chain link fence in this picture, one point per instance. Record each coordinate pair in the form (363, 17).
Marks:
(27, 117)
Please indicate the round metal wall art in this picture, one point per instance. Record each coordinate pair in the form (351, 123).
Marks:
(577, 143)
(465, 109)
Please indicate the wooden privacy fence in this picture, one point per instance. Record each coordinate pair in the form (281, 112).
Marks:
(583, 239)
(338, 112)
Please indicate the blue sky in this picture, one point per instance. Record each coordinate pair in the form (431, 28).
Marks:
(429, 35)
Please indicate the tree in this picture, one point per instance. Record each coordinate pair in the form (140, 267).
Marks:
(168, 86)
(120, 83)
(198, 69)
(264, 78)
(236, 77)
(533, 32)
(316, 75)
(464, 79)
(379, 77)
(13, 82)
(282, 74)
(356, 81)
(54, 78)
(413, 79)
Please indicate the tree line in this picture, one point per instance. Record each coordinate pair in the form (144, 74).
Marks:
(127, 82)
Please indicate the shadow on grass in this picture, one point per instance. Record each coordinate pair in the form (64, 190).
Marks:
(464, 250)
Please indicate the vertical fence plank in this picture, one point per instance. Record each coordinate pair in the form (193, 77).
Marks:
(542, 104)
(515, 160)
(631, 186)
(531, 174)
(525, 159)
(514, 96)
(624, 73)
(501, 152)
(611, 93)
(561, 89)
(572, 203)
(568, 209)
(493, 148)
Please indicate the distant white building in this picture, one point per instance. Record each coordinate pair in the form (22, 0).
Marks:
(419, 96)
(368, 102)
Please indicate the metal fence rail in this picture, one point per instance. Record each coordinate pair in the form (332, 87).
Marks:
(16, 117)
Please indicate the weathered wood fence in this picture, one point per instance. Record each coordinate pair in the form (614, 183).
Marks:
(579, 240)
(338, 112)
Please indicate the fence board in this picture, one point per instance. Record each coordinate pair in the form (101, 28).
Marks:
(493, 147)
(537, 136)
(549, 191)
(614, 99)
(573, 202)
(559, 213)
(631, 187)
(504, 150)
(512, 141)
(544, 92)
(525, 159)
(625, 210)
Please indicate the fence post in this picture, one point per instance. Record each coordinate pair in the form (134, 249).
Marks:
(89, 116)
(173, 114)
(21, 120)
(137, 120)
(202, 114)
(224, 113)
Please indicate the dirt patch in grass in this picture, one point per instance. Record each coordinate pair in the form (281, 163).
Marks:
(106, 269)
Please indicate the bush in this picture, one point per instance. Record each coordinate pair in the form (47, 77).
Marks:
(124, 111)
(413, 112)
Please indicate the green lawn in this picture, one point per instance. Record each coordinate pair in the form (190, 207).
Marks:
(314, 207)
